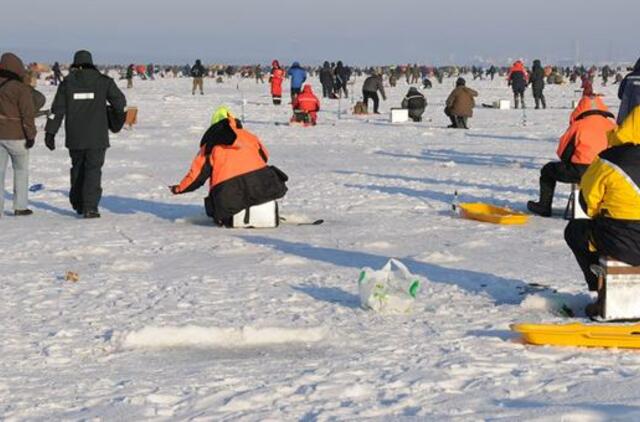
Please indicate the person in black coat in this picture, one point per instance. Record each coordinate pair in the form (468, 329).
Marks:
(415, 102)
(370, 88)
(629, 93)
(81, 100)
(57, 74)
(326, 79)
(343, 74)
(518, 80)
(198, 72)
(537, 84)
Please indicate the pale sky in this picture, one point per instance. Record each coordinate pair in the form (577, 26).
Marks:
(355, 31)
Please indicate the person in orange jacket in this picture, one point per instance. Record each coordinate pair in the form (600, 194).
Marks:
(578, 147)
(276, 78)
(518, 80)
(306, 104)
(235, 163)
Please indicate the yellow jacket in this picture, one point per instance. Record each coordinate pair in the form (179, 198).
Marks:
(611, 186)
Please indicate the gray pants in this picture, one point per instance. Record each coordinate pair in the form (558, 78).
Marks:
(20, 162)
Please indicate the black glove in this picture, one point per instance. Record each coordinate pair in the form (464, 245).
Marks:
(29, 143)
(50, 141)
(174, 189)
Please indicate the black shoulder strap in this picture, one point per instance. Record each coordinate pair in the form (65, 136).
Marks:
(5, 82)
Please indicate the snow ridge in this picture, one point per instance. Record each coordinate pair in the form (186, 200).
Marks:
(195, 336)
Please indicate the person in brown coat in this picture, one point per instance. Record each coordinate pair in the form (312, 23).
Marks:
(460, 104)
(17, 130)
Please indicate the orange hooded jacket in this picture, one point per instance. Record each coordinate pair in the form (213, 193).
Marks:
(587, 133)
(226, 151)
(307, 101)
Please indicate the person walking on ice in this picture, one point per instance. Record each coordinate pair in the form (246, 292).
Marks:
(81, 100)
(298, 76)
(17, 130)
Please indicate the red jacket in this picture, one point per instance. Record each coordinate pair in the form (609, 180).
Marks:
(307, 101)
(277, 76)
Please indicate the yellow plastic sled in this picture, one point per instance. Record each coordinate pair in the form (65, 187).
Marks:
(492, 214)
(577, 334)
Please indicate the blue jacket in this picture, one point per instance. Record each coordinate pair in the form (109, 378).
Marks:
(297, 75)
(629, 93)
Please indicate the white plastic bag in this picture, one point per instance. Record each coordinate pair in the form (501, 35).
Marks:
(391, 290)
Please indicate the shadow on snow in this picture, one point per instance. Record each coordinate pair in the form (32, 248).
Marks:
(472, 158)
(501, 290)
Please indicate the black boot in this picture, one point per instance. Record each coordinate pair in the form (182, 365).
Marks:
(91, 213)
(539, 209)
(544, 102)
(543, 206)
(454, 122)
(537, 103)
(596, 309)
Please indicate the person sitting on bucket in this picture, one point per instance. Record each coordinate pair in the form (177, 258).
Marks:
(306, 106)
(578, 147)
(235, 162)
(415, 102)
(610, 195)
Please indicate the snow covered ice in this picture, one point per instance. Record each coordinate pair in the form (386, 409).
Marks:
(174, 319)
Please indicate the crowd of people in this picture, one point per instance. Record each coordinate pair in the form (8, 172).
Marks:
(599, 151)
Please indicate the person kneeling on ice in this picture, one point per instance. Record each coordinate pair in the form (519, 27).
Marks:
(610, 195)
(578, 147)
(235, 162)
(415, 102)
(459, 105)
(305, 107)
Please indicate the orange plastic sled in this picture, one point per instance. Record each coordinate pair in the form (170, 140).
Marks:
(577, 334)
(492, 214)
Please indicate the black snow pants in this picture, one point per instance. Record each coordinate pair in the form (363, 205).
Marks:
(577, 235)
(518, 98)
(558, 171)
(327, 90)
(86, 178)
(374, 96)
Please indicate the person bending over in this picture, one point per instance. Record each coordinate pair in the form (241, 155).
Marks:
(235, 163)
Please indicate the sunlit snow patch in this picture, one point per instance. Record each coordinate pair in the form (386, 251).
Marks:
(556, 303)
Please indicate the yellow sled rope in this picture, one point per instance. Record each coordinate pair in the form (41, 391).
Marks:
(492, 214)
(577, 334)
